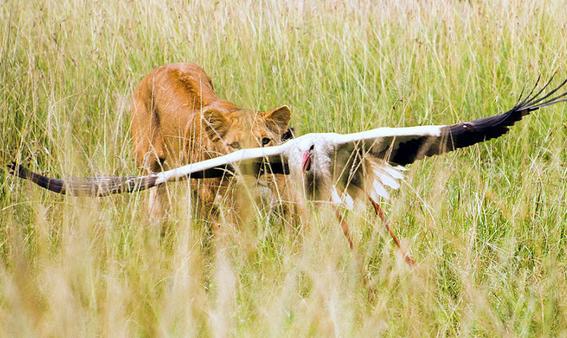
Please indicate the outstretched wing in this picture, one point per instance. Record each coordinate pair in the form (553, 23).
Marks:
(99, 186)
(251, 161)
(248, 161)
(402, 146)
(372, 161)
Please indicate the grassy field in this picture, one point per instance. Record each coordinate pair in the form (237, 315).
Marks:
(487, 225)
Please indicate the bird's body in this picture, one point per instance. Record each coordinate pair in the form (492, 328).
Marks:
(324, 165)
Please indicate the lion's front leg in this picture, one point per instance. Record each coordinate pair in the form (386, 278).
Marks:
(158, 205)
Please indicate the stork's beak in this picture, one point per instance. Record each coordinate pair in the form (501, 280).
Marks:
(306, 160)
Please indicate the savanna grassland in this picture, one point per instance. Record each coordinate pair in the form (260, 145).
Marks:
(487, 225)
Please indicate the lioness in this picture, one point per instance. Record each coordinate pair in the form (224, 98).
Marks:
(177, 119)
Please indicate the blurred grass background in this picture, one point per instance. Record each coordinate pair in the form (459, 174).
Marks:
(487, 225)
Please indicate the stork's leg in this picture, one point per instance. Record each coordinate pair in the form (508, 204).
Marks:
(380, 213)
(344, 226)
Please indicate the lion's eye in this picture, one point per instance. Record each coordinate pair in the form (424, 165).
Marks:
(234, 145)
(265, 141)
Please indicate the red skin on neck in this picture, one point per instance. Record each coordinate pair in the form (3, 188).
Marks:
(306, 161)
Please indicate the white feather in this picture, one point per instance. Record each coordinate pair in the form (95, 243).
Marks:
(380, 190)
(349, 203)
(335, 198)
(344, 200)
(374, 196)
(390, 132)
(394, 172)
(386, 179)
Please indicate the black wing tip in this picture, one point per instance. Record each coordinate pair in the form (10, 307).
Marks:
(465, 134)
(18, 170)
(12, 166)
(532, 102)
(90, 187)
(45, 182)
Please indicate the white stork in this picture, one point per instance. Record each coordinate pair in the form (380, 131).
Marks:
(331, 167)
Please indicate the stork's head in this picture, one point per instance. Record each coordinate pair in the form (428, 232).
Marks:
(310, 162)
(311, 154)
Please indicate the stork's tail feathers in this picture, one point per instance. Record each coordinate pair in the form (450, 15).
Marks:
(90, 186)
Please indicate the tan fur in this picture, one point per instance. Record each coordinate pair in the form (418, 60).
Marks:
(178, 119)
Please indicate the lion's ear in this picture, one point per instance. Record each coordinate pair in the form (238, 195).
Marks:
(216, 124)
(278, 119)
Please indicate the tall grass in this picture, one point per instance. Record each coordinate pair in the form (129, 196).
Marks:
(487, 225)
